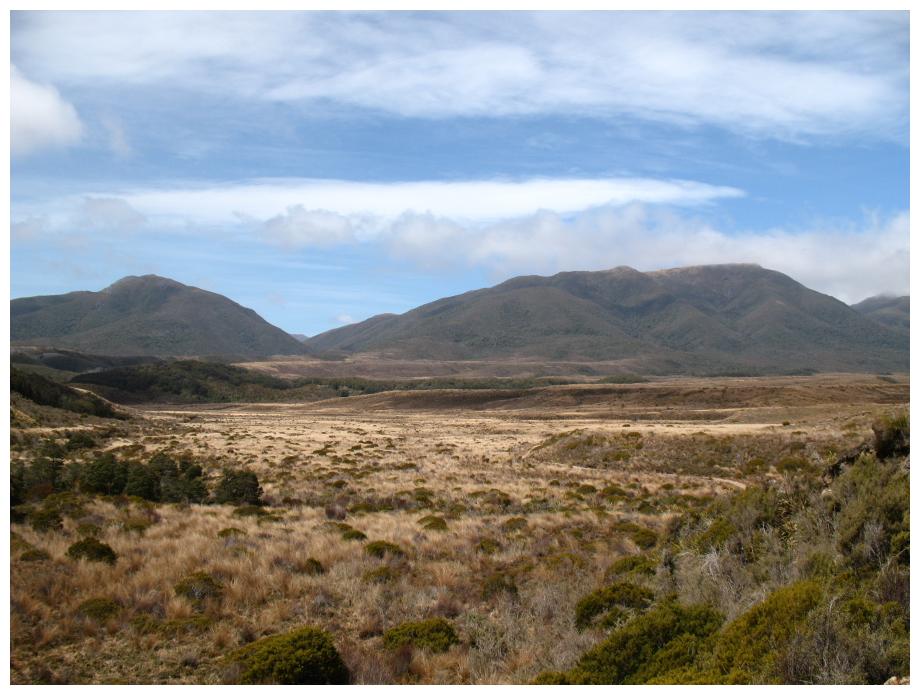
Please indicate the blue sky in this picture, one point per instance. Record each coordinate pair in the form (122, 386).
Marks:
(324, 167)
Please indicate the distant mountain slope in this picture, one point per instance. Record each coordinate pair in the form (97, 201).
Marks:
(893, 312)
(147, 315)
(704, 319)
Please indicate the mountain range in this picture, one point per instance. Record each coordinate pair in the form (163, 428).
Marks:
(736, 318)
(711, 319)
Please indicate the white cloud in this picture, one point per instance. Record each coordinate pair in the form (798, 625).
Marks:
(345, 319)
(787, 75)
(850, 263)
(39, 118)
(309, 202)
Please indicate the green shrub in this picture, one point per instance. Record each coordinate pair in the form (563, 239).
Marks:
(516, 523)
(99, 609)
(643, 537)
(892, 435)
(92, 550)
(306, 656)
(381, 549)
(239, 487)
(488, 546)
(433, 523)
(105, 476)
(354, 534)
(34, 555)
(619, 599)
(747, 648)
(43, 520)
(199, 587)
(435, 635)
(651, 645)
(632, 564)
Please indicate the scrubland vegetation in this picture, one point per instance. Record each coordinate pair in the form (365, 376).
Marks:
(294, 546)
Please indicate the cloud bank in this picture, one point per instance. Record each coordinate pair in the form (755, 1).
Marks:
(786, 75)
(39, 117)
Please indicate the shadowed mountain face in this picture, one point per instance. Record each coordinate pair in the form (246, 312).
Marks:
(705, 319)
(893, 312)
(147, 315)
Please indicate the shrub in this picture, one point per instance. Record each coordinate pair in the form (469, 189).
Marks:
(311, 566)
(251, 510)
(617, 601)
(748, 647)
(43, 519)
(435, 634)
(488, 546)
(306, 656)
(381, 549)
(381, 575)
(105, 476)
(98, 609)
(231, 532)
(199, 587)
(651, 645)
(353, 534)
(433, 523)
(632, 564)
(238, 487)
(34, 555)
(92, 550)
(517, 523)
(498, 583)
(892, 436)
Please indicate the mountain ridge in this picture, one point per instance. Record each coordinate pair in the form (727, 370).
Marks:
(147, 315)
(738, 316)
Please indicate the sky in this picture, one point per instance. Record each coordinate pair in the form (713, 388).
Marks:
(324, 167)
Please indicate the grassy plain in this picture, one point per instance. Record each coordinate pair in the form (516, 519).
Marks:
(504, 509)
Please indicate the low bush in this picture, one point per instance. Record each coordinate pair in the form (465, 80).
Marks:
(381, 549)
(199, 587)
(435, 634)
(306, 656)
(92, 550)
(99, 609)
(433, 523)
(497, 584)
(240, 487)
(613, 603)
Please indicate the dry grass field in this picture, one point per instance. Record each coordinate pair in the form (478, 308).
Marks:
(499, 511)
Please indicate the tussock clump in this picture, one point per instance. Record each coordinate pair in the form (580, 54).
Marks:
(99, 609)
(92, 550)
(199, 587)
(436, 635)
(306, 656)
(381, 549)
